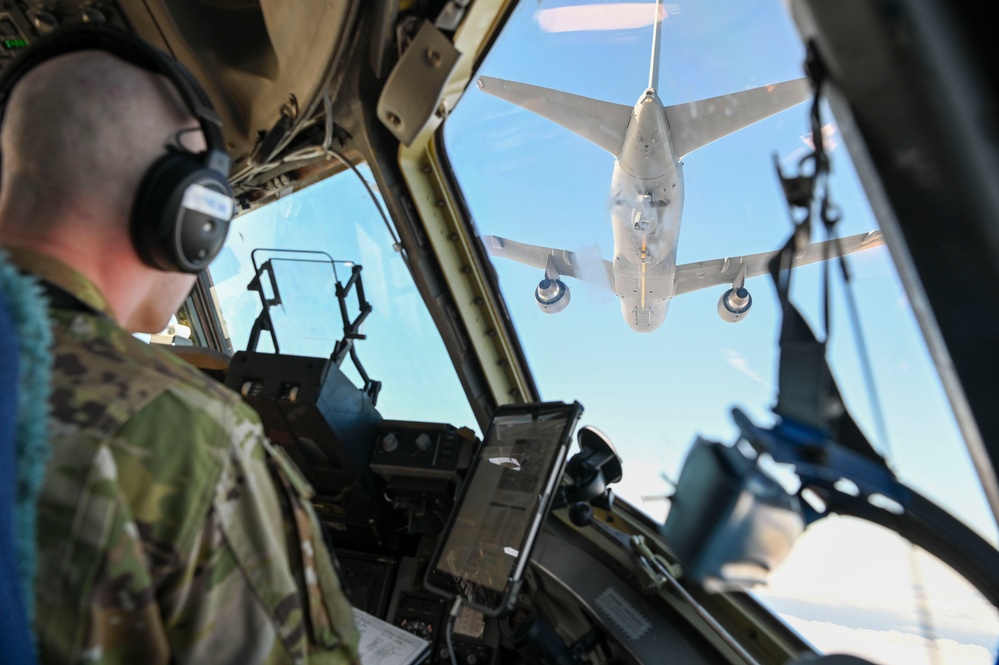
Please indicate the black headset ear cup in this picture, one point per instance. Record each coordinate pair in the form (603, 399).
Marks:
(181, 213)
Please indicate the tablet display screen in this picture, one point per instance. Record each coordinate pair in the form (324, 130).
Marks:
(486, 544)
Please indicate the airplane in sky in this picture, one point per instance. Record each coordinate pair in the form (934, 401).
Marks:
(646, 194)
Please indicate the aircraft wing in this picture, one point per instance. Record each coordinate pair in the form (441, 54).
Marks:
(603, 123)
(696, 124)
(705, 274)
(566, 263)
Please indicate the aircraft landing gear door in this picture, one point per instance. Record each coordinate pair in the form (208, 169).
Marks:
(481, 558)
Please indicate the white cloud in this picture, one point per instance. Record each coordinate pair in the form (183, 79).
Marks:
(859, 577)
(888, 647)
(741, 365)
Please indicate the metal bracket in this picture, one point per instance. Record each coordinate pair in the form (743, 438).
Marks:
(412, 94)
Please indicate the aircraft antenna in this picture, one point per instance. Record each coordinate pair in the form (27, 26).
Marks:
(657, 30)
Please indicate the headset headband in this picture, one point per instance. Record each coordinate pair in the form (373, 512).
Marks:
(183, 205)
(121, 43)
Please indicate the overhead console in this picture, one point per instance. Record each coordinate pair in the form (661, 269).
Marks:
(265, 67)
(22, 22)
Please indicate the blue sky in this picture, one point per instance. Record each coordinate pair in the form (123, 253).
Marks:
(403, 349)
(530, 180)
(533, 181)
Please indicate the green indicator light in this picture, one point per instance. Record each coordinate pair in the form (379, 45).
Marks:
(14, 43)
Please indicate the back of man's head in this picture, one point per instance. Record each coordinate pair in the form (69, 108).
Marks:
(80, 130)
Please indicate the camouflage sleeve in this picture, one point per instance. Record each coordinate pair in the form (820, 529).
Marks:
(286, 572)
(241, 577)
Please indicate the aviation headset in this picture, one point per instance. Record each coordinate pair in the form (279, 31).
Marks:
(183, 206)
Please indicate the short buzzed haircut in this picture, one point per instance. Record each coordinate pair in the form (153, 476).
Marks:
(85, 125)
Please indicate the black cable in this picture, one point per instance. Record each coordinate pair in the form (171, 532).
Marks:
(829, 214)
(328, 147)
(449, 627)
(865, 365)
(817, 186)
(923, 610)
(396, 244)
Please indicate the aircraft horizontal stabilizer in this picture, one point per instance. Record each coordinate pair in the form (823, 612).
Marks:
(603, 123)
(696, 124)
(566, 263)
(705, 274)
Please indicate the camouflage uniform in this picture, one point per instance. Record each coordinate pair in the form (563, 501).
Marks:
(170, 529)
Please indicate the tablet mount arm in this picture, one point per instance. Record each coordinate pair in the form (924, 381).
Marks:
(590, 472)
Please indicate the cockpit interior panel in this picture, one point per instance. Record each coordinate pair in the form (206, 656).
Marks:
(307, 91)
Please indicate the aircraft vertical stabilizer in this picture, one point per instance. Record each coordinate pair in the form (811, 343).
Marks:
(603, 123)
(657, 33)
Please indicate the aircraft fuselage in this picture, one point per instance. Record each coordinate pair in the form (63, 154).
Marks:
(646, 203)
(646, 196)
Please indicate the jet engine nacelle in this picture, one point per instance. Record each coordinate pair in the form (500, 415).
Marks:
(552, 295)
(734, 304)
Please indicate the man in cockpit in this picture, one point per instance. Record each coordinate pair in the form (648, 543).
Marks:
(170, 530)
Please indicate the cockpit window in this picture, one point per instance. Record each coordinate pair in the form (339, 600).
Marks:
(327, 230)
(548, 196)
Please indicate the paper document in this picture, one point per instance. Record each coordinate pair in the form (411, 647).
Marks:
(385, 644)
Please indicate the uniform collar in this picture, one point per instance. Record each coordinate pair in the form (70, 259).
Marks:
(56, 272)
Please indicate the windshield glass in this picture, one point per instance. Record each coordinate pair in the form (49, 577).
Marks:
(529, 180)
(313, 240)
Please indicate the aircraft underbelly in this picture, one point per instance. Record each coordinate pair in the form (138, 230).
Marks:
(646, 216)
(638, 247)
(645, 292)
(646, 208)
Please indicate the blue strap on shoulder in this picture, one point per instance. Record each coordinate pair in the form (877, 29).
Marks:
(25, 383)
